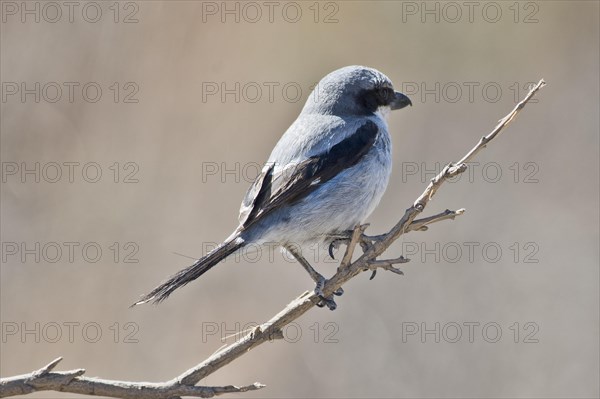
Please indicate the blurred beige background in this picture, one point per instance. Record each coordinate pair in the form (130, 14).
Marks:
(523, 260)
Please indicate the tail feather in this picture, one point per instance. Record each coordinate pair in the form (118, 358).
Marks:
(192, 272)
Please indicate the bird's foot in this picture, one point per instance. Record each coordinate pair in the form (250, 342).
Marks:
(323, 300)
(329, 302)
(337, 240)
(344, 237)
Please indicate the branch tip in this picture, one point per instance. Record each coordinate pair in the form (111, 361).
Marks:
(50, 366)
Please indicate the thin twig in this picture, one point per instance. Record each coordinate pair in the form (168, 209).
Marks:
(354, 239)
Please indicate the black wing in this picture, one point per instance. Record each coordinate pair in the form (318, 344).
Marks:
(270, 191)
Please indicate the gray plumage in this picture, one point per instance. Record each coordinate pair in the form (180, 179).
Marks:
(326, 174)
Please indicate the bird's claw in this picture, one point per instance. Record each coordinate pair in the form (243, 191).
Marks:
(338, 239)
(323, 300)
(327, 301)
(332, 246)
(365, 241)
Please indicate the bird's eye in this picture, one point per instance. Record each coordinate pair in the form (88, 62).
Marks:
(385, 95)
(376, 97)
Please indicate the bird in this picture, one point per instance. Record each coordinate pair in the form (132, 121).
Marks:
(326, 174)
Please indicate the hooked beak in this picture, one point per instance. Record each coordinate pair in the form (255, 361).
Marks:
(400, 101)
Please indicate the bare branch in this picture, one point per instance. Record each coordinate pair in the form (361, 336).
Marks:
(502, 123)
(45, 379)
(184, 385)
(421, 224)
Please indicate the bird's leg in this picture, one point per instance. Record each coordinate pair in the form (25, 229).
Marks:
(317, 278)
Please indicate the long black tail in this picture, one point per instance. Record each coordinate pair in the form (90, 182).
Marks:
(192, 272)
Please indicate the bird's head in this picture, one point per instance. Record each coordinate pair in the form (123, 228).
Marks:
(355, 91)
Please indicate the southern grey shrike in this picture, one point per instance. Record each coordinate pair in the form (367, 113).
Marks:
(326, 174)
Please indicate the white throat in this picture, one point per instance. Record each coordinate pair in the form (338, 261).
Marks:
(383, 112)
